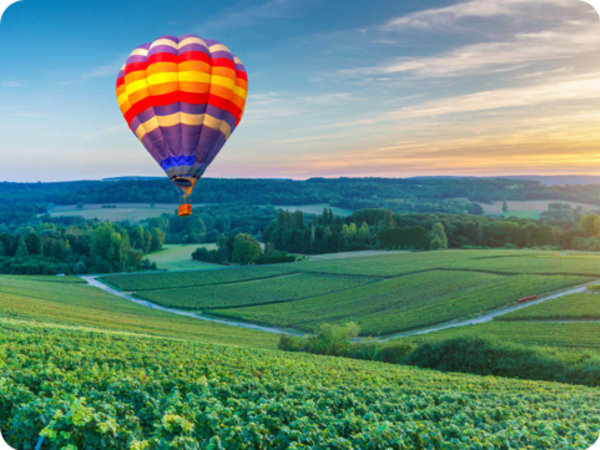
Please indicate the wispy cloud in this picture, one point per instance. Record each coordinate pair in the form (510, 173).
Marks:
(487, 57)
(12, 84)
(113, 129)
(450, 15)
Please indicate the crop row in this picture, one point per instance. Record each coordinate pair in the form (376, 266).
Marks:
(168, 280)
(92, 391)
(407, 302)
(255, 292)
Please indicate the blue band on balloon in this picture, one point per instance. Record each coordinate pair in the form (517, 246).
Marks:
(176, 161)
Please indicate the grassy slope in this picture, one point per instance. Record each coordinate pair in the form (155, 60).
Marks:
(404, 303)
(179, 257)
(84, 305)
(144, 389)
(569, 307)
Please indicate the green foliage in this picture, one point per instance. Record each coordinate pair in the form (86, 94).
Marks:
(94, 390)
(439, 240)
(484, 357)
(246, 249)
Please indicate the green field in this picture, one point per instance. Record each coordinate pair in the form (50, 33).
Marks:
(568, 307)
(179, 257)
(406, 290)
(283, 288)
(96, 390)
(150, 281)
(405, 303)
(83, 305)
(580, 335)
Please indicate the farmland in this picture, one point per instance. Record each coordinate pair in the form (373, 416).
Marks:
(569, 307)
(283, 288)
(133, 212)
(405, 303)
(83, 305)
(118, 391)
(575, 335)
(150, 281)
(383, 293)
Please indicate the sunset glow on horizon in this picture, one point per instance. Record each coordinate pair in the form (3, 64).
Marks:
(475, 88)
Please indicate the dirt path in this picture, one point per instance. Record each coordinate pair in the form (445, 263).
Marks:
(490, 316)
(91, 279)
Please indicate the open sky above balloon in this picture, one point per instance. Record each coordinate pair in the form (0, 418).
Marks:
(482, 87)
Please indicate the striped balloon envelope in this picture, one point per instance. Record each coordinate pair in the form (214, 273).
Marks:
(182, 98)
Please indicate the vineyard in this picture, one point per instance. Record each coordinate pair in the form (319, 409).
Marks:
(81, 305)
(407, 302)
(575, 335)
(254, 292)
(383, 293)
(568, 307)
(150, 281)
(92, 390)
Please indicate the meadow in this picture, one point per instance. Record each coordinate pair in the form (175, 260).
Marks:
(179, 257)
(78, 304)
(81, 389)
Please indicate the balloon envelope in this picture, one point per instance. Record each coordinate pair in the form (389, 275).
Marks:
(182, 98)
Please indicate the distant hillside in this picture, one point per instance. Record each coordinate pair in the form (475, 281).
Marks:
(559, 180)
(454, 195)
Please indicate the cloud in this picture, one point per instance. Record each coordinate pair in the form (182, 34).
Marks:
(448, 16)
(4, 4)
(489, 57)
(12, 84)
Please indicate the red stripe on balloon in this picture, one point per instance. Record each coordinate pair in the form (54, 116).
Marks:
(137, 108)
(162, 57)
(191, 97)
(134, 67)
(223, 62)
(194, 56)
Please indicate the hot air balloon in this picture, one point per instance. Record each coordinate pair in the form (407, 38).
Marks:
(182, 98)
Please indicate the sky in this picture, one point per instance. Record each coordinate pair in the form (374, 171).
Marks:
(336, 87)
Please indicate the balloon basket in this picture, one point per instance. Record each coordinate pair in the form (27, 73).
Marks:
(184, 210)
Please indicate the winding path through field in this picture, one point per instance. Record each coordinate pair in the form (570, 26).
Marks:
(91, 279)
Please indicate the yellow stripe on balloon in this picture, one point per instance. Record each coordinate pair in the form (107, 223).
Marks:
(164, 77)
(122, 98)
(199, 77)
(218, 124)
(182, 118)
(136, 86)
(223, 81)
